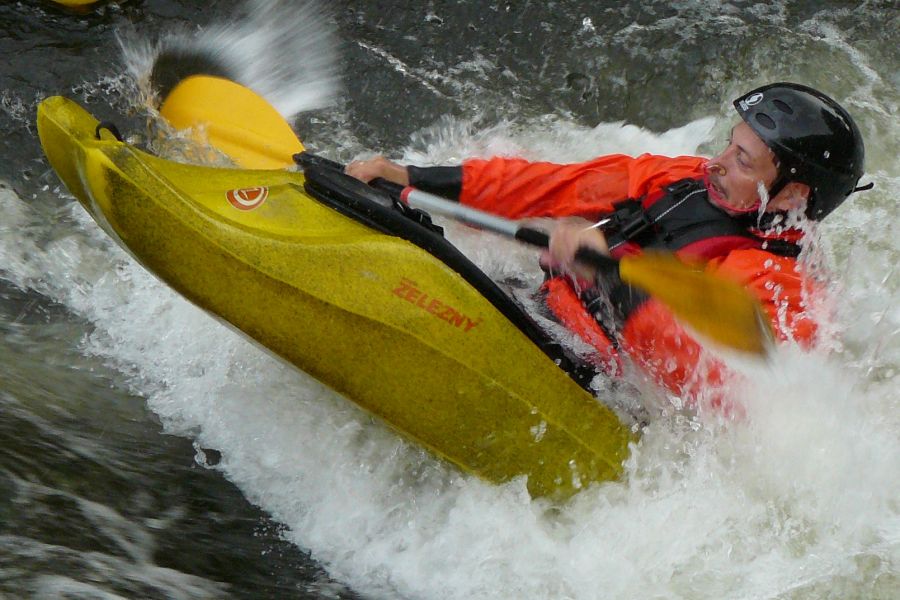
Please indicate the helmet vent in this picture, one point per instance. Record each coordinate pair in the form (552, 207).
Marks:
(765, 120)
(783, 106)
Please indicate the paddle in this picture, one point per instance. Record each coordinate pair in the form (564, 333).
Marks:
(221, 109)
(715, 307)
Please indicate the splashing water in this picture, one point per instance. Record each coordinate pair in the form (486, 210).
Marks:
(799, 500)
(799, 497)
(285, 51)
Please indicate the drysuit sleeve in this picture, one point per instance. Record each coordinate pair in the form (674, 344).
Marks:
(516, 188)
(443, 181)
(654, 339)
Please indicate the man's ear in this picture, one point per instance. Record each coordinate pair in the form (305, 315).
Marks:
(792, 196)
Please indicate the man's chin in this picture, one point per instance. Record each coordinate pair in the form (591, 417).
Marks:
(721, 201)
(716, 197)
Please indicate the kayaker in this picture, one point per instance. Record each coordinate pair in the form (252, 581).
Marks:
(795, 153)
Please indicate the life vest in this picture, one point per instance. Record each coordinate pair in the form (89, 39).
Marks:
(677, 218)
(681, 219)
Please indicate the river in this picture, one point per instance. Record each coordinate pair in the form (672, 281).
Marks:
(146, 451)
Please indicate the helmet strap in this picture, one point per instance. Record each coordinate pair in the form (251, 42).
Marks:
(780, 181)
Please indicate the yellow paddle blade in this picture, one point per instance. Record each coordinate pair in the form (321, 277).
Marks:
(236, 120)
(715, 307)
(75, 2)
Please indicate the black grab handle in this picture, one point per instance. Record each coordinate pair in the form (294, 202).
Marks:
(308, 159)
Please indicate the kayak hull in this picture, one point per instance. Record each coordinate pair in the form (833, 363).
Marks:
(370, 314)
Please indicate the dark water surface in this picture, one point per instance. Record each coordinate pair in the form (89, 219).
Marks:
(105, 491)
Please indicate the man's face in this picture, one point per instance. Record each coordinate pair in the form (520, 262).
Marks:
(735, 174)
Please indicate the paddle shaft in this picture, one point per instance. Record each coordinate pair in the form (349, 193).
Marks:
(433, 204)
(718, 308)
(436, 205)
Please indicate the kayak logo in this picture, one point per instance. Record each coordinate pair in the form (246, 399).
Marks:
(408, 290)
(751, 100)
(247, 198)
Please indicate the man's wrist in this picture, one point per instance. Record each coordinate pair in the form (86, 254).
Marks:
(396, 173)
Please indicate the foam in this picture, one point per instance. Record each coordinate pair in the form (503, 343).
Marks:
(799, 499)
(794, 497)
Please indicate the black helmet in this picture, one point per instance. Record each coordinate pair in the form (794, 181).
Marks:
(815, 140)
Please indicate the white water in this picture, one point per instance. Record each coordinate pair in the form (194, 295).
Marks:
(799, 499)
(802, 494)
(286, 51)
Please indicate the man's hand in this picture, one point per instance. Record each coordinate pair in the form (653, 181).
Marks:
(567, 237)
(373, 168)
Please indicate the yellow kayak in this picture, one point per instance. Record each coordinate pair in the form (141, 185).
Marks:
(323, 271)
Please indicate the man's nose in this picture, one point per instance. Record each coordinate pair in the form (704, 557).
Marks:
(714, 166)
